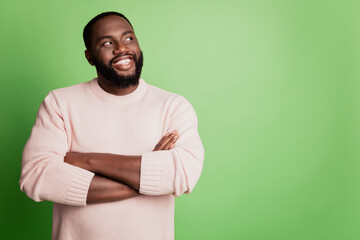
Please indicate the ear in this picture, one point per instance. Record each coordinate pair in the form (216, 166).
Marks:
(89, 57)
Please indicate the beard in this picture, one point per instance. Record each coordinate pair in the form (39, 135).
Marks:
(120, 81)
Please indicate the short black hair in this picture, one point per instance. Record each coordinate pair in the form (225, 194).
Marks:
(87, 28)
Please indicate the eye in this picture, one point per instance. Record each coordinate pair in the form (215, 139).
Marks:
(128, 39)
(108, 43)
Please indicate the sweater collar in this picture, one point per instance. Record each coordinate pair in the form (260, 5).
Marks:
(101, 93)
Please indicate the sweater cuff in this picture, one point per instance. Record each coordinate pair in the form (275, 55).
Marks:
(77, 190)
(150, 173)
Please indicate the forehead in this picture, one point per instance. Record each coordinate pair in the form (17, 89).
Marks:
(110, 25)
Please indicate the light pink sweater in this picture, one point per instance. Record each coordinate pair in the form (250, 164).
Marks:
(85, 118)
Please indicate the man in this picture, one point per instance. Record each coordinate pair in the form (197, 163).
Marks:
(91, 150)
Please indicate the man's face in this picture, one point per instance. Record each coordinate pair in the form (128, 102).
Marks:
(115, 51)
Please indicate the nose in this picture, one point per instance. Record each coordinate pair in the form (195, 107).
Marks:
(120, 48)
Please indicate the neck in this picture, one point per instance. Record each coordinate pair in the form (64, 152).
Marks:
(109, 87)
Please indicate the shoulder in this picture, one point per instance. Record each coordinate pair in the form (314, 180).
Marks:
(74, 90)
(175, 104)
(161, 93)
(166, 96)
(68, 95)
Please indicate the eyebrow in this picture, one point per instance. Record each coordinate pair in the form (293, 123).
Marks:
(110, 36)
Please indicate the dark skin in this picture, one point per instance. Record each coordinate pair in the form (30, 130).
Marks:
(117, 176)
(104, 188)
(113, 36)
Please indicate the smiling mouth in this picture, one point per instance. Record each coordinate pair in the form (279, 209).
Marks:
(123, 63)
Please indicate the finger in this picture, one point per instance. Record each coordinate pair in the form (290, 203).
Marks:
(176, 138)
(171, 142)
(166, 140)
(163, 141)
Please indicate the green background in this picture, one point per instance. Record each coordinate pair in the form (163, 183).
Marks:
(275, 85)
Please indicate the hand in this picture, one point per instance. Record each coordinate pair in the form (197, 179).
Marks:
(167, 142)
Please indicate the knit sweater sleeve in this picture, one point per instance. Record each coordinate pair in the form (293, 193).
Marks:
(175, 171)
(44, 174)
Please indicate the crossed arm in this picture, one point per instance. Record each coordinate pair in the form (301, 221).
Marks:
(94, 177)
(117, 176)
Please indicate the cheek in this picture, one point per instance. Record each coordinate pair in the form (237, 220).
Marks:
(134, 46)
(105, 55)
(137, 50)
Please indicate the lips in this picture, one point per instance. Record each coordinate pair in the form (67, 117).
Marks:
(123, 63)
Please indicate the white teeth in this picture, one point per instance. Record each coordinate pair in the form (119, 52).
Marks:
(123, 61)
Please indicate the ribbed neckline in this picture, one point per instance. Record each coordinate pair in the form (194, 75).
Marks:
(139, 91)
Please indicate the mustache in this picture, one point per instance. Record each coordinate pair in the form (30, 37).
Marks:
(121, 55)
